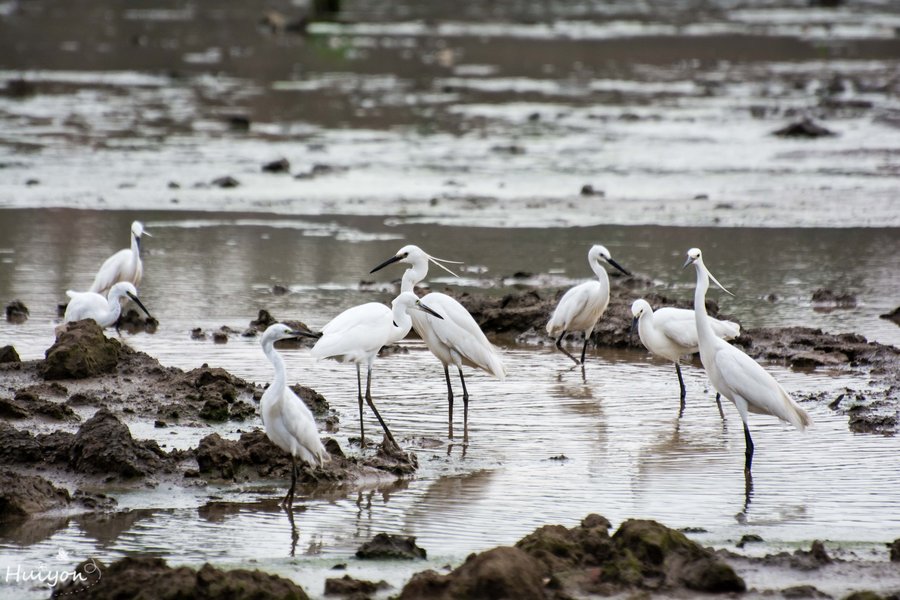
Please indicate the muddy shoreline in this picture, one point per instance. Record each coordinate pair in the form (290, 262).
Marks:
(61, 472)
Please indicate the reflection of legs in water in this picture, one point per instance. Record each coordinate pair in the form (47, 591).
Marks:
(464, 446)
(295, 535)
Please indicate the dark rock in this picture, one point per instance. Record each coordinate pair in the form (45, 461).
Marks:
(749, 538)
(220, 457)
(502, 572)
(263, 320)
(277, 166)
(588, 190)
(103, 445)
(220, 337)
(315, 401)
(19, 88)
(346, 585)
(226, 182)
(805, 129)
(826, 297)
(894, 316)
(56, 446)
(866, 595)
(561, 549)
(279, 290)
(8, 354)
(803, 591)
(511, 149)
(36, 405)
(13, 409)
(16, 312)
(23, 495)
(238, 122)
(134, 577)
(895, 550)
(240, 411)
(133, 322)
(81, 350)
(18, 446)
(385, 545)
(215, 409)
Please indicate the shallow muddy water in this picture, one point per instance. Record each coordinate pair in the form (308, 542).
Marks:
(626, 452)
(469, 129)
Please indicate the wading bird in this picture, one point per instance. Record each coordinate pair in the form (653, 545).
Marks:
(734, 374)
(106, 311)
(456, 338)
(357, 334)
(288, 422)
(124, 265)
(672, 332)
(582, 306)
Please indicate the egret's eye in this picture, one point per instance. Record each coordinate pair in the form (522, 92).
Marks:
(405, 254)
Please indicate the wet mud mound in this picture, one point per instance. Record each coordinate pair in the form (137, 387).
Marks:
(145, 577)
(555, 562)
(81, 350)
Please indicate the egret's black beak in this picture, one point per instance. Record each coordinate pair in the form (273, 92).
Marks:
(618, 266)
(389, 261)
(424, 308)
(634, 324)
(297, 333)
(686, 263)
(139, 303)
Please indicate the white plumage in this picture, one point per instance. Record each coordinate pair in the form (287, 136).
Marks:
(582, 306)
(456, 339)
(357, 334)
(104, 310)
(672, 332)
(288, 422)
(734, 374)
(124, 265)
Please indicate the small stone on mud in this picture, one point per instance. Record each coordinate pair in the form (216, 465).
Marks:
(279, 290)
(826, 297)
(805, 129)
(220, 337)
(16, 312)
(748, 538)
(197, 334)
(238, 122)
(226, 182)
(589, 190)
(160, 424)
(8, 354)
(385, 545)
(895, 550)
(803, 591)
(277, 166)
(346, 585)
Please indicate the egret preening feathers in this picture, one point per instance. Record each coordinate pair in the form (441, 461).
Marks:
(357, 334)
(104, 310)
(672, 332)
(454, 339)
(124, 265)
(734, 374)
(582, 306)
(288, 422)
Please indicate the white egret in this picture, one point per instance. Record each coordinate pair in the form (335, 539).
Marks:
(582, 306)
(456, 338)
(106, 311)
(672, 332)
(124, 265)
(288, 422)
(357, 334)
(734, 374)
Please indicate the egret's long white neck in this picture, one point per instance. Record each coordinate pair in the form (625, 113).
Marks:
(704, 328)
(413, 275)
(280, 380)
(114, 302)
(402, 323)
(599, 271)
(135, 245)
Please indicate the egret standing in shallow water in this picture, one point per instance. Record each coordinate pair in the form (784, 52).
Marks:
(734, 374)
(582, 306)
(357, 334)
(288, 421)
(106, 311)
(672, 332)
(124, 265)
(456, 338)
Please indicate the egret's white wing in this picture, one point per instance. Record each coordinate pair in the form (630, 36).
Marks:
(459, 331)
(578, 301)
(301, 425)
(747, 379)
(112, 271)
(355, 315)
(677, 324)
(85, 305)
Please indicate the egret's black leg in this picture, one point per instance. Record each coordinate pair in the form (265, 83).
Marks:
(362, 429)
(719, 404)
(564, 351)
(683, 390)
(465, 406)
(288, 501)
(449, 402)
(584, 347)
(748, 452)
(387, 432)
